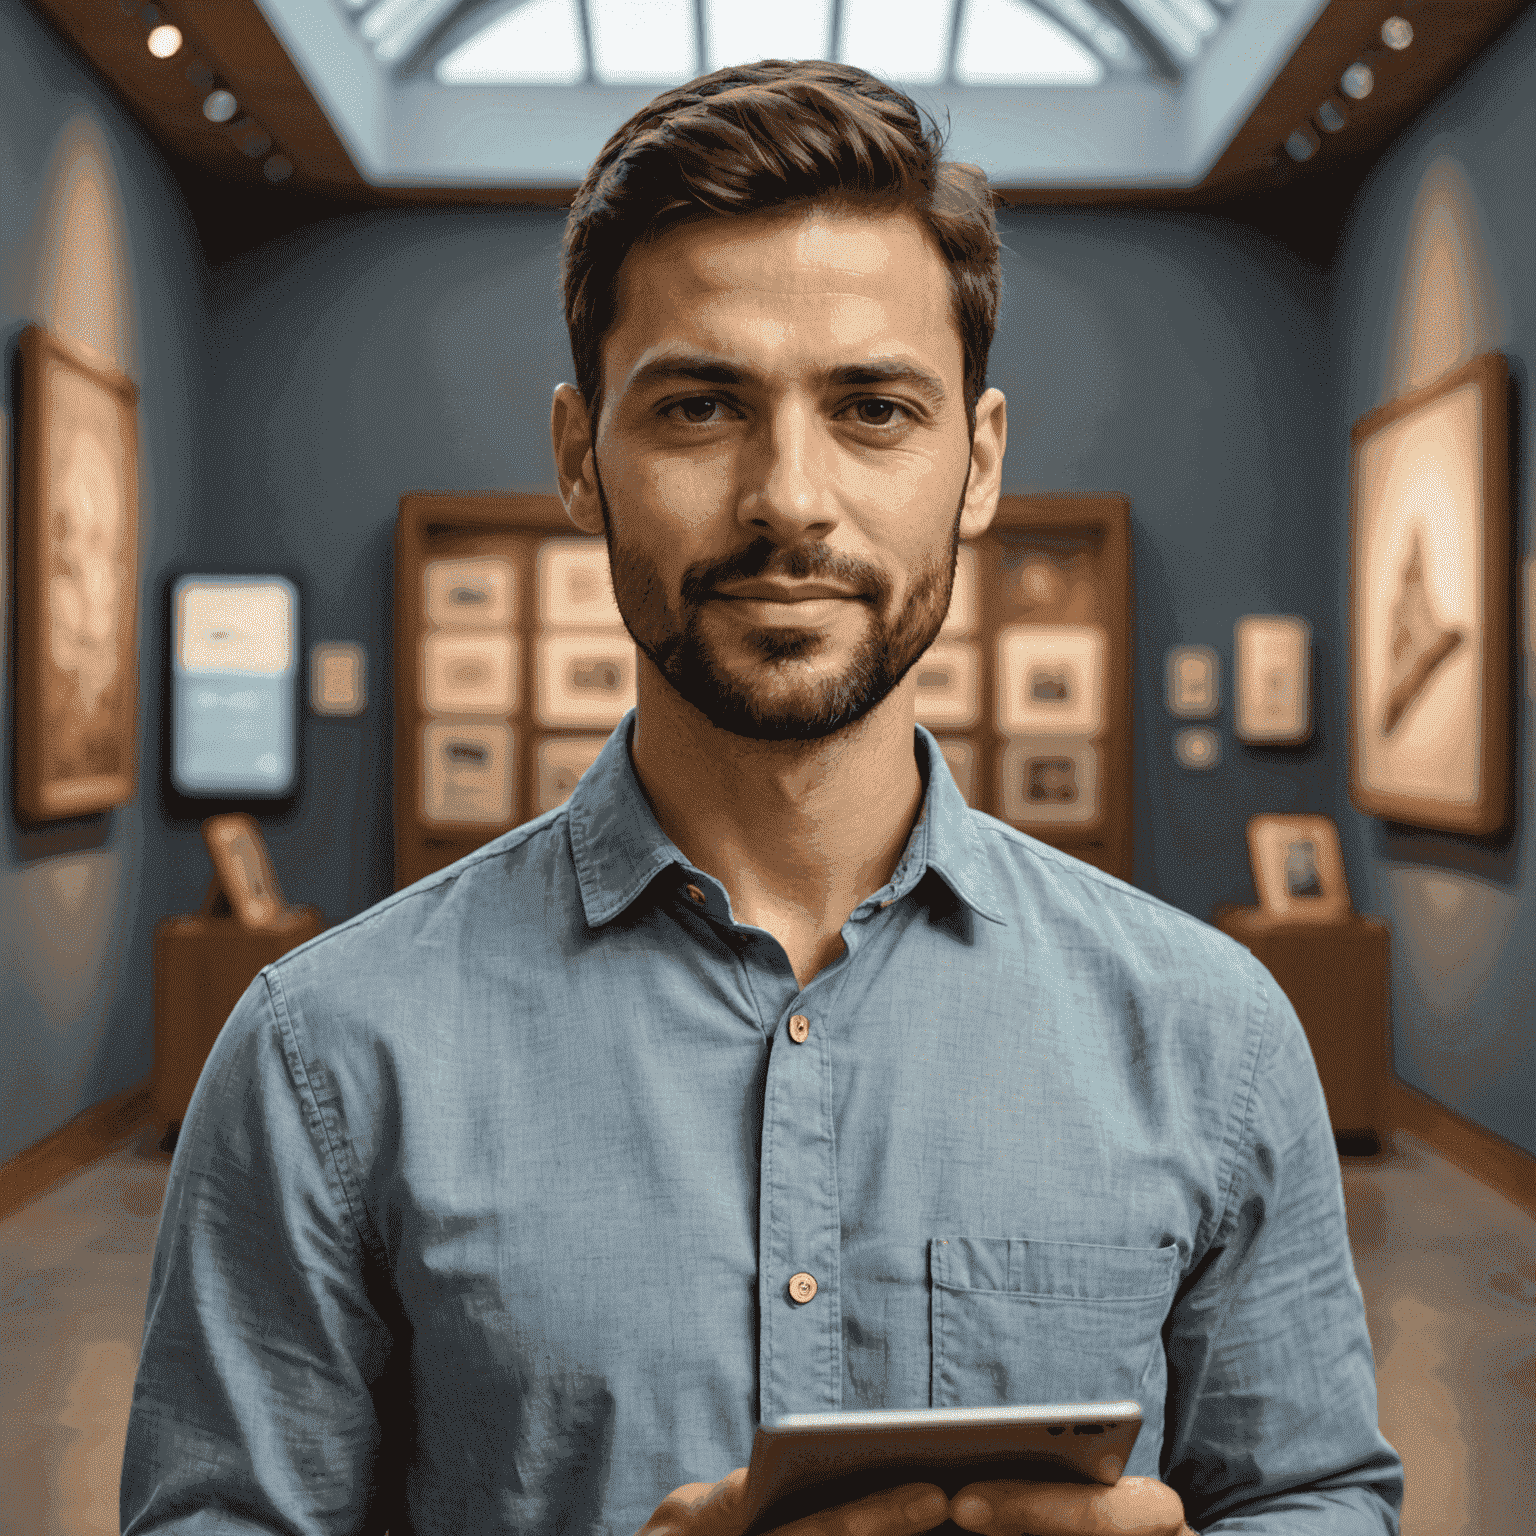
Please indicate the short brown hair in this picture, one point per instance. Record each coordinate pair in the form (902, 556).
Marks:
(770, 135)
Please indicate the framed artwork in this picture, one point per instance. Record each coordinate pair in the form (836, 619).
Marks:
(77, 582)
(1027, 688)
(243, 871)
(1192, 680)
(948, 685)
(338, 678)
(469, 673)
(1273, 696)
(234, 687)
(1050, 679)
(467, 771)
(1298, 868)
(561, 762)
(471, 594)
(1197, 747)
(1430, 572)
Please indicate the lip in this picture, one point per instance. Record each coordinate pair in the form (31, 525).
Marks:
(782, 592)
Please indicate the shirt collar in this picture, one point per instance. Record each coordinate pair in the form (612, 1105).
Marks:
(619, 846)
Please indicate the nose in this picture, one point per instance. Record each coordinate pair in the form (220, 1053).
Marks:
(787, 488)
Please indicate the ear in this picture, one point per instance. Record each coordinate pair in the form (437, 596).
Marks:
(986, 478)
(570, 431)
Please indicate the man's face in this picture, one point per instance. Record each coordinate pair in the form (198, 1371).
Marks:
(781, 462)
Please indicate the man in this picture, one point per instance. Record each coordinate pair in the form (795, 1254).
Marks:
(762, 1076)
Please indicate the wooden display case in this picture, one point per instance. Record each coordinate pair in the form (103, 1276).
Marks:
(512, 668)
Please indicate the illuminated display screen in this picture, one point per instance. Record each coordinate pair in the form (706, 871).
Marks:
(234, 686)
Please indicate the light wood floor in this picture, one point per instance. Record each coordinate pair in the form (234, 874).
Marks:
(1447, 1266)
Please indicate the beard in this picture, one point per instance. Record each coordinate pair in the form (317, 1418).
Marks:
(772, 702)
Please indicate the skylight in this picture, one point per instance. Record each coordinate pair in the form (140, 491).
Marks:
(983, 43)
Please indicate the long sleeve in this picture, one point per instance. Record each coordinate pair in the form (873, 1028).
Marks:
(1271, 1415)
(254, 1405)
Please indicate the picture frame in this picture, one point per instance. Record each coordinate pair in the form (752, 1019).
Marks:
(575, 586)
(948, 676)
(243, 872)
(478, 593)
(467, 772)
(1272, 699)
(1298, 867)
(1430, 572)
(469, 672)
(1192, 680)
(1051, 781)
(1050, 680)
(960, 758)
(585, 680)
(561, 761)
(77, 582)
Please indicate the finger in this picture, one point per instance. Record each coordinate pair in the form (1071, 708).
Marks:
(701, 1509)
(899, 1511)
(1135, 1506)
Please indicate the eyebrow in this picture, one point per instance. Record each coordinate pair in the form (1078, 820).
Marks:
(708, 370)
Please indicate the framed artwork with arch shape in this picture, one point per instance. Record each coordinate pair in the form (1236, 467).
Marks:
(1430, 604)
(77, 582)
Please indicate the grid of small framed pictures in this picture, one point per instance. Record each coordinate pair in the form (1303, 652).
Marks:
(513, 667)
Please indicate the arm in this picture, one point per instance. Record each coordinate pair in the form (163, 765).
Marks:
(253, 1409)
(1270, 1422)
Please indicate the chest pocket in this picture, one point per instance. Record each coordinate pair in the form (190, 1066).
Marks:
(1019, 1321)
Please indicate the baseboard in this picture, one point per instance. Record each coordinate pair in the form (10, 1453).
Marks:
(1486, 1156)
(75, 1145)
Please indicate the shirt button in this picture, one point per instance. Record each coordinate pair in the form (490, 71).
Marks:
(695, 894)
(802, 1287)
(799, 1028)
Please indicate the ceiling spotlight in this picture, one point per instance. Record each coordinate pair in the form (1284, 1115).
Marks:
(165, 40)
(1357, 80)
(1302, 144)
(1330, 118)
(219, 106)
(1396, 33)
(278, 168)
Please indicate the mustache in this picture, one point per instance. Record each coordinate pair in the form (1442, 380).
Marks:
(764, 558)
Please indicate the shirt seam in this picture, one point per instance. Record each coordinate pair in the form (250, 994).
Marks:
(340, 1166)
(1236, 1153)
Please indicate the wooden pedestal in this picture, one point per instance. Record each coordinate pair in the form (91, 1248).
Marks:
(1335, 975)
(202, 964)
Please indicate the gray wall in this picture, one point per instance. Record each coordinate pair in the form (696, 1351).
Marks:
(1436, 266)
(1175, 359)
(95, 242)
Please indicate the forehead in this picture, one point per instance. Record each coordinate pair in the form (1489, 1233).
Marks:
(786, 282)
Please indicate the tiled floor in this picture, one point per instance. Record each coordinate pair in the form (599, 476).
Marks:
(1448, 1269)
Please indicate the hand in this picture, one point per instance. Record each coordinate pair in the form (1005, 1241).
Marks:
(719, 1509)
(1135, 1506)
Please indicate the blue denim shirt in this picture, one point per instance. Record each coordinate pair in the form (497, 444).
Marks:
(484, 1212)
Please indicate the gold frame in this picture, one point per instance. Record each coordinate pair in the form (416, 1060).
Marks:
(77, 573)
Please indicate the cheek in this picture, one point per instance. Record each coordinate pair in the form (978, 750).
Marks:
(687, 491)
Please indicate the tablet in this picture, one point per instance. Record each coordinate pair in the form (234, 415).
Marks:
(806, 1462)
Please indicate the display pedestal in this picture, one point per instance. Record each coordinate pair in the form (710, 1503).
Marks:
(1335, 974)
(202, 965)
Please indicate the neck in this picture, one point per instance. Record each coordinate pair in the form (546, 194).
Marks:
(798, 832)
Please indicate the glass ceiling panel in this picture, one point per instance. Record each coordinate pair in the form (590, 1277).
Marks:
(1004, 42)
(737, 33)
(538, 44)
(981, 43)
(905, 40)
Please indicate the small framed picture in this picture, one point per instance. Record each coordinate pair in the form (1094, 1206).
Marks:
(960, 758)
(576, 586)
(961, 618)
(585, 680)
(243, 869)
(469, 674)
(338, 678)
(1298, 867)
(1273, 694)
(1050, 781)
(948, 677)
(1197, 747)
(471, 594)
(466, 771)
(1193, 682)
(560, 762)
(1050, 680)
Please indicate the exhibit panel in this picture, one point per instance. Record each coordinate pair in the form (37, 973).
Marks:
(512, 666)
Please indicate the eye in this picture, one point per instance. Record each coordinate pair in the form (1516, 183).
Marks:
(697, 410)
(877, 413)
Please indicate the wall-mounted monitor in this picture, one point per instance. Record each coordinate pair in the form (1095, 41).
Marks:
(234, 687)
